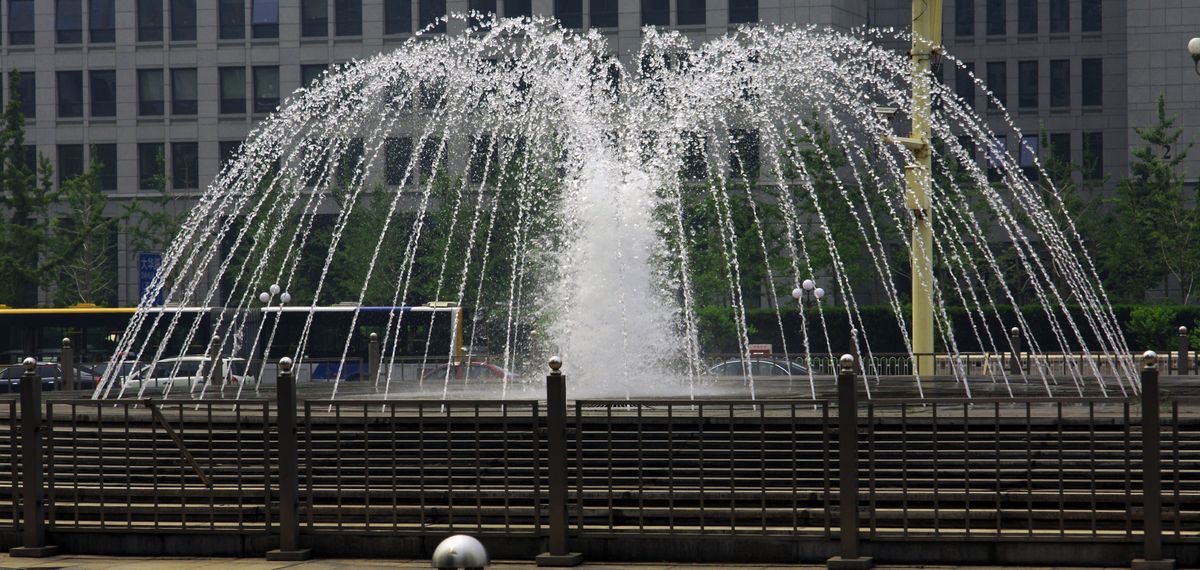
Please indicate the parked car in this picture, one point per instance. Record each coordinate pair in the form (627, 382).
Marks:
(50, 374)
(468, 371)
(762, 366)
(187, 373)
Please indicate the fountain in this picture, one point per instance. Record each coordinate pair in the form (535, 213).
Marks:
(576, 205)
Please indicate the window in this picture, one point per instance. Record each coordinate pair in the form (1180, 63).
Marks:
(347, 17)
(20, 22)
(1091, 17)
(232, 14)
(964, 84)
(103, 85)
(603, 13)
(1060, 16)
(397, 155)
(27, 91)
(184, 162)
(997, 17)
(689, 12)
(102, 21)
(656, 13)
(997, 82)
(150, 166)
(31, 157)
(968, 147)
(482, 7)
(1060, 83)
(70, 162)
(228, 151)
(1027, 16)
(233, 90)
(518, 8)
(1093, 155)
(70, 94)
(183, 20)
(431, 10)
(264, 18)
(743, 154)
(1029, 151)
(310, 73)
(964, 18)
(68, 21)
(397, 16)
(149, 20)
(432, 156)
(1027, 84)
(314, 18)
(347, 164)
(150, 92)
(482, 161)
(105, 155)
(695, 162)
(569, 13)
(266, 89)
(995, 157)
(1092, 89)
(1060, 147)
(183, 91)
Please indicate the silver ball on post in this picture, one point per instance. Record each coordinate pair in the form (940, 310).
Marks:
(1149, 359)
(285, 364)
(30, 363)
(846, 362)
(555, 363)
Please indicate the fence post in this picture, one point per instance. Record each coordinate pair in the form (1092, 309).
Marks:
(66, 360)
(1014, 365)
(373, 359)
(33, 535)
(1183, 351)
(289, 481)
(850, 558)
(1152, 554)
(556, 436)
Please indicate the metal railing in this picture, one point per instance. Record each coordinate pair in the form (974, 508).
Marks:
(1180, 461)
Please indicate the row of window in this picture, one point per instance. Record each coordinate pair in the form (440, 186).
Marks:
(1091, 83)
(1091, 16)
(317, 17)
(1091, 167)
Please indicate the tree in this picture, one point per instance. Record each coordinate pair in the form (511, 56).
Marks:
(82, 244)
(152, 228)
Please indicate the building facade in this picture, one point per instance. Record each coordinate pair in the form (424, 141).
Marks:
(187, 80)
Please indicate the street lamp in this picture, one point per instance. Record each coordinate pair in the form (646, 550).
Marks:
(1194, 49)
(808, 293)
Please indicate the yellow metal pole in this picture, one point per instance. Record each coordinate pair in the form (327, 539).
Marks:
(927, 32)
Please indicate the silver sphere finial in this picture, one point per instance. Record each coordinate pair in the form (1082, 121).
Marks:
(374, 337)
(1182, 331)
(1149, 359)
(1014, 331)
(555, 363)
(846, 362)
(30, 363)
(285, 364)
(216, 339)
(66, 342)
(460, 551)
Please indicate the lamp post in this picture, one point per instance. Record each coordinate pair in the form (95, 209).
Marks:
(1194, 49)
(808, 294)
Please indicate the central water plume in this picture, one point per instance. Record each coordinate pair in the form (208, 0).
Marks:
(630, 215)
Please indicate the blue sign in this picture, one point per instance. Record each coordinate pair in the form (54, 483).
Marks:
(148, 264)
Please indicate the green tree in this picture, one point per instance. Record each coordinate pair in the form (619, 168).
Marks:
(82, 244)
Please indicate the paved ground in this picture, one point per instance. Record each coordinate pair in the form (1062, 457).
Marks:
(172, 563)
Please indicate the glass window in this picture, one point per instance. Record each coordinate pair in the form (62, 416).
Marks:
(995, 157)
(150, 166)
(656, 13)
(184, 162)
(397, 16)
(397, 155)
(70, 162)
(1060, 16)
(68, 21)
(1092, 74)
(1091, 17)
(27, 91)
(997, 82)
(105, 155)
(310, 73)
(1029, 151)
(264, 18)
(20, 22)
(689, 12)
(70, 93)
(517, 8)
(102, 21)
(183, 91)
(1093, 155)
(183, 20)
(103, 85)
(1027, 84)
(431, 10)
(603, 13)
(482, 7)
(695, 157)
(232, 14)
(968, 147)
(1027, 17)
(569, 13)
(266, 89)
(348, 162)
(964, 84)
(233, 90)
(228, 151)
(314, 18)
(1060, 146)
(347, 17)
(964, 18)
(31, 157)
(997, 17)
(150, 20)
(150, 92)
(433, 155)
(743, 154)
(1060, 83)
(740, 11)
